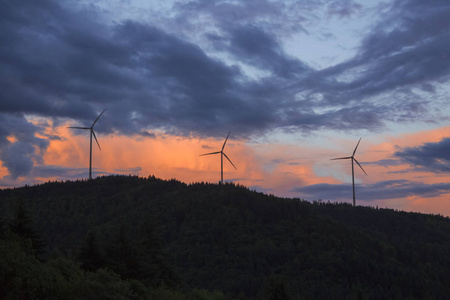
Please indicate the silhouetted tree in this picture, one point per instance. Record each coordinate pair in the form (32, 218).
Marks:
(90, 255)
(121, 255)
(158, 270)
(141, 256)
(2, 226)
(275, 289)
(23, 226)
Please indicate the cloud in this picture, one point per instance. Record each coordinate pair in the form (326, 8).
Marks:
(390, 189)
(405, 52)
(147, 78)
(63, 61)
(44, 173)
(385, 162)
(20, 148)
(58, 172)
(147, 134)
(135, 170)
(432, 157)
(280, 18)
(256, 47)
(214, 67)
(343, 8)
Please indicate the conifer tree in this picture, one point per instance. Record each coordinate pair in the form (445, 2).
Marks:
(90, 255)
(121, 255)
(23, 226)
(275, 289)
(153, 257)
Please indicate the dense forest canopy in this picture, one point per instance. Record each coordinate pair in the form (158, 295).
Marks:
(146, 238)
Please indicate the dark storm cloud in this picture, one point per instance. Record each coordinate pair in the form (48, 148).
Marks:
(391, 189)
(432, 157)
(70, 66)
(62, 61)
(59, 62)
(147, 134)
(258, 48)
(20, 149)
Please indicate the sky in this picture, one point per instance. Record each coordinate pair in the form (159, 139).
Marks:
(297, 83)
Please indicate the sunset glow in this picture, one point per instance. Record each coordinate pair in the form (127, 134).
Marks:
(295, 83)
(270, 168)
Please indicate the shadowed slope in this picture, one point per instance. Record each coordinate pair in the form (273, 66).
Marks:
(228, 238)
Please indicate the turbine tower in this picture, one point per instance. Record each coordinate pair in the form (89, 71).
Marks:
(90, 145)
(353, 171)
(222, 154)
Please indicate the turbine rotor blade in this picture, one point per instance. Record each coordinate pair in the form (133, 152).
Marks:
(93, 133)
(354, 151)
(348, 157)
(225, 140)
(79, 127)
(229, 160)
(98, 118)
(211, 153)
(360, 166)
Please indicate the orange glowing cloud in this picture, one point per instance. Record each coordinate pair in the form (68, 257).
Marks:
(273, 168)
(178, 157)
(164, 156)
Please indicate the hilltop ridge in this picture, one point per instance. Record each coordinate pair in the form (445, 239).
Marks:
(227, 238)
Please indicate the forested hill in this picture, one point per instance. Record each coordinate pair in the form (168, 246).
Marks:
(225, 238)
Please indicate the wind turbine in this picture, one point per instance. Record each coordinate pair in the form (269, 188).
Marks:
(90, 146)
(222, 154)
(353, 172)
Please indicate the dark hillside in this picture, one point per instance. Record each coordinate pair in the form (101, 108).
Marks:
(244, 243)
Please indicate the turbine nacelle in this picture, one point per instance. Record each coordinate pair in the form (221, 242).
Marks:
(91, 128)
(352, 157)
